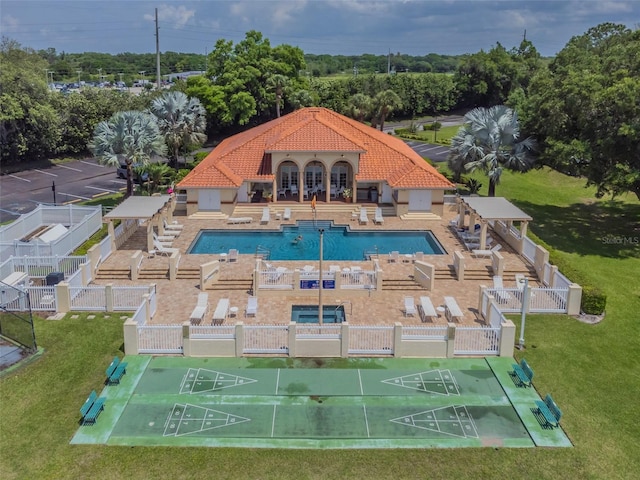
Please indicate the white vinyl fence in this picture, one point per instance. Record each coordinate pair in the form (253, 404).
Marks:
(371, 340)
(158, 339)
(262, 339)
(477, 341)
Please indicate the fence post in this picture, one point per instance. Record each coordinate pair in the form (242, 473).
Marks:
(146, 298)
(480, 304)
(397, 339)
(458, 264)
(497, 263)
(451, 339)
(344, 340)
(379, 275)
(541, 257)
(134, 261)
(186, 340)
(507, 338)
(173, 265)
(63, 297)
(574, 299)
(108, 297)
(130, 330)
(93, 255)
(296, 279)
(239, 339)
(292, 339)
(552, 276)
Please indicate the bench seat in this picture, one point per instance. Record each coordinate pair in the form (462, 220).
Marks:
(549, 410)
(452, 310)
(427, 309)
(524, 372)
(97, 407)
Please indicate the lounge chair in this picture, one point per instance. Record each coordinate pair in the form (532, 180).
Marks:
(394, 256)
(451, 309)
(308, 268)
(520, 281)
(486, 253)
(266, 216)
(220, 314)
(287, 214)
(232, 256)
(427, 309)
(409, 306)
(334, 268)
(418, 256)
(498, 287)
(378, 219)
(363, 216)
(235, 220)
(165, 239)
(171, 226)
(200, 310)
(252, 307)
(163, 250)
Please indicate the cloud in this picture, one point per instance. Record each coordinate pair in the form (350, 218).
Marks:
(9, 24)
(361, 6)
(178, 17)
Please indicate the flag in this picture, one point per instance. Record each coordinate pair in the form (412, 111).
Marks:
(313, 203)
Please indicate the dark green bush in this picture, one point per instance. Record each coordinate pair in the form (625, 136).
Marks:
(594, 300)
(432, 126)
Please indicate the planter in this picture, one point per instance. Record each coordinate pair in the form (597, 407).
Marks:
(347, 199)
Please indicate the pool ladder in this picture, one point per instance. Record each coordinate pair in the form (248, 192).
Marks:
(370, 254)
(342, 304)
(263, 252)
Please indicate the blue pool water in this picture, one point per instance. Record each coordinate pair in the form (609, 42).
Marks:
(339, 242)
(309, 314)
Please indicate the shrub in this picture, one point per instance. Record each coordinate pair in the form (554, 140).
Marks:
(594, 300)
(433, 126)
(199, 156)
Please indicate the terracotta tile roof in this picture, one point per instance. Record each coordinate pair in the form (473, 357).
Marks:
(314, 129)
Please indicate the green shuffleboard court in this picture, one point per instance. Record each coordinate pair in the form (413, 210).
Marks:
(319, 403)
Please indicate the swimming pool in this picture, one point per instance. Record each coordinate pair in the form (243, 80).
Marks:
(309, 313)
(339, 242)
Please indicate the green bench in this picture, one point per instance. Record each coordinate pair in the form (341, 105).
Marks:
(91, 408)
(115, 371)
(524, 372)
(549, 410)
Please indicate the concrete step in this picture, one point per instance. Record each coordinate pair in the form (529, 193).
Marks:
(420, 216)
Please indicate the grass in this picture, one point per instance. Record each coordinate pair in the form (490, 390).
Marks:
(591, 371)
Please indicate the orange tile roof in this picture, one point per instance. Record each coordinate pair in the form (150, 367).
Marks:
(314, 129)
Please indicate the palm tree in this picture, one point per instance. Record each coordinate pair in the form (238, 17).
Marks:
(384, 104)
(182, 122)
(278, 83)
(360, 106)
(300, 98)
(127, 137)
(488, 140)
(158, 174)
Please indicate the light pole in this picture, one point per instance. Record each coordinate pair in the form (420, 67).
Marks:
(525, 301)
(321, 230)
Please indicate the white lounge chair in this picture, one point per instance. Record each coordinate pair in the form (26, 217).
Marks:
(287, 214)
(164, 239)
(363, 216)
(498, 287)
(334, 268)
(520, 281)
(220, 314)
(486, 253)
(200, 310)
(394, 256)
(428, 311)
(378, 219)
(451, 309)
(163, 250)
(409, 306)
(232, 256)
(418, 256)
(171, 226)
(252, 307)
(266, 216)
(235, 220)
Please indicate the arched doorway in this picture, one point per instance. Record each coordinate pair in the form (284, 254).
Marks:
(314, 175)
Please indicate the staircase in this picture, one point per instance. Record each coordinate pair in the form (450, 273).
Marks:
(147, 273)
(232, 284)
(112, 273)
(484, 273)
(400, 284)
(420, 216)
(188, 273)
(208, 216)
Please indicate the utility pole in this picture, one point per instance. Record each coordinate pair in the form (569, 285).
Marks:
(389, 63)
(159, 84)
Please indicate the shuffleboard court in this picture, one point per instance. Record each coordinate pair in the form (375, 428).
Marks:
(341, 403)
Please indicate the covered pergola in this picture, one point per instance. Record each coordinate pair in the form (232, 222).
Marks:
(151, 210)
(482, 210)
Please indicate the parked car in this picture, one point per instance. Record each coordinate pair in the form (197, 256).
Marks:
(121, 172)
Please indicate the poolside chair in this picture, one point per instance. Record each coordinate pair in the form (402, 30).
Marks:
(418, 256)
(294, 190)
(409, 306)
(378, 219)
(334, 268)
(394, 256)
(486, 253)
(266, 216)
(234, 220)
(333, 191)
(200, 310)
(163, 250)
(252, 307)
(520, 281)
(220, 314)
(282, 193)
(363, 216)
(232, 256)
(171, 226)
(308, 268)
(452, 310)
(287, 214)
(426, 307)
(166, 240)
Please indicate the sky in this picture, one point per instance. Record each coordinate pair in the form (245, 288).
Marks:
(335, 27)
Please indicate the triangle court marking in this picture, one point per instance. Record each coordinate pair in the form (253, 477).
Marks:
(453, 420)
(186, 419)
(200, 380)
(440, 382)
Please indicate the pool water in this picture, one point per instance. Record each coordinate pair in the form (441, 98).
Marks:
(339, 242)
(309, 313)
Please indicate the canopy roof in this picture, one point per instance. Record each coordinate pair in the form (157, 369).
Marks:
(138, 207)
(495, 208)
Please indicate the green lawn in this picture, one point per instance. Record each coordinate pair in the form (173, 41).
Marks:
(591, 371)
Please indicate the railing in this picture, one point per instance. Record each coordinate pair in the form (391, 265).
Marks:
(370, 340)
(263, 252)
(438, 332)
(105, 248)
(318, 331)
(509, 299)
(269, 279)
(477, 341)
(260, 339)
(548, 300)
(42, 298)
(371, 254)
(358, 279)
(155, 339)
(40, 267)
(528, 248)
(88, 298)
(560, 281)
(214, 331)
(546, 274)
(128, 298)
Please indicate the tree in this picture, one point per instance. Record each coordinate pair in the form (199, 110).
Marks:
(488, 140)
(360, 106)
(384, 103)
(585, 110)
(301, 98)
(131, 138)
(182, 122)
(277, 83)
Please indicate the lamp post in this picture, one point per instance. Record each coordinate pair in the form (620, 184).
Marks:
(321, 230)
(525, 301)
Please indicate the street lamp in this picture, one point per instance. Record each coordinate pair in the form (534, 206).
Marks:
(321, 230)
(525, 302)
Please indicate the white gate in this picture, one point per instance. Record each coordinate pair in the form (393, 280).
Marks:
(477, 341)
(366, 340)
(160, 339)
(266, 339)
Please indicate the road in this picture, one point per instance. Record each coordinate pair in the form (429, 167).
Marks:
(86, 179)
(75, 182)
